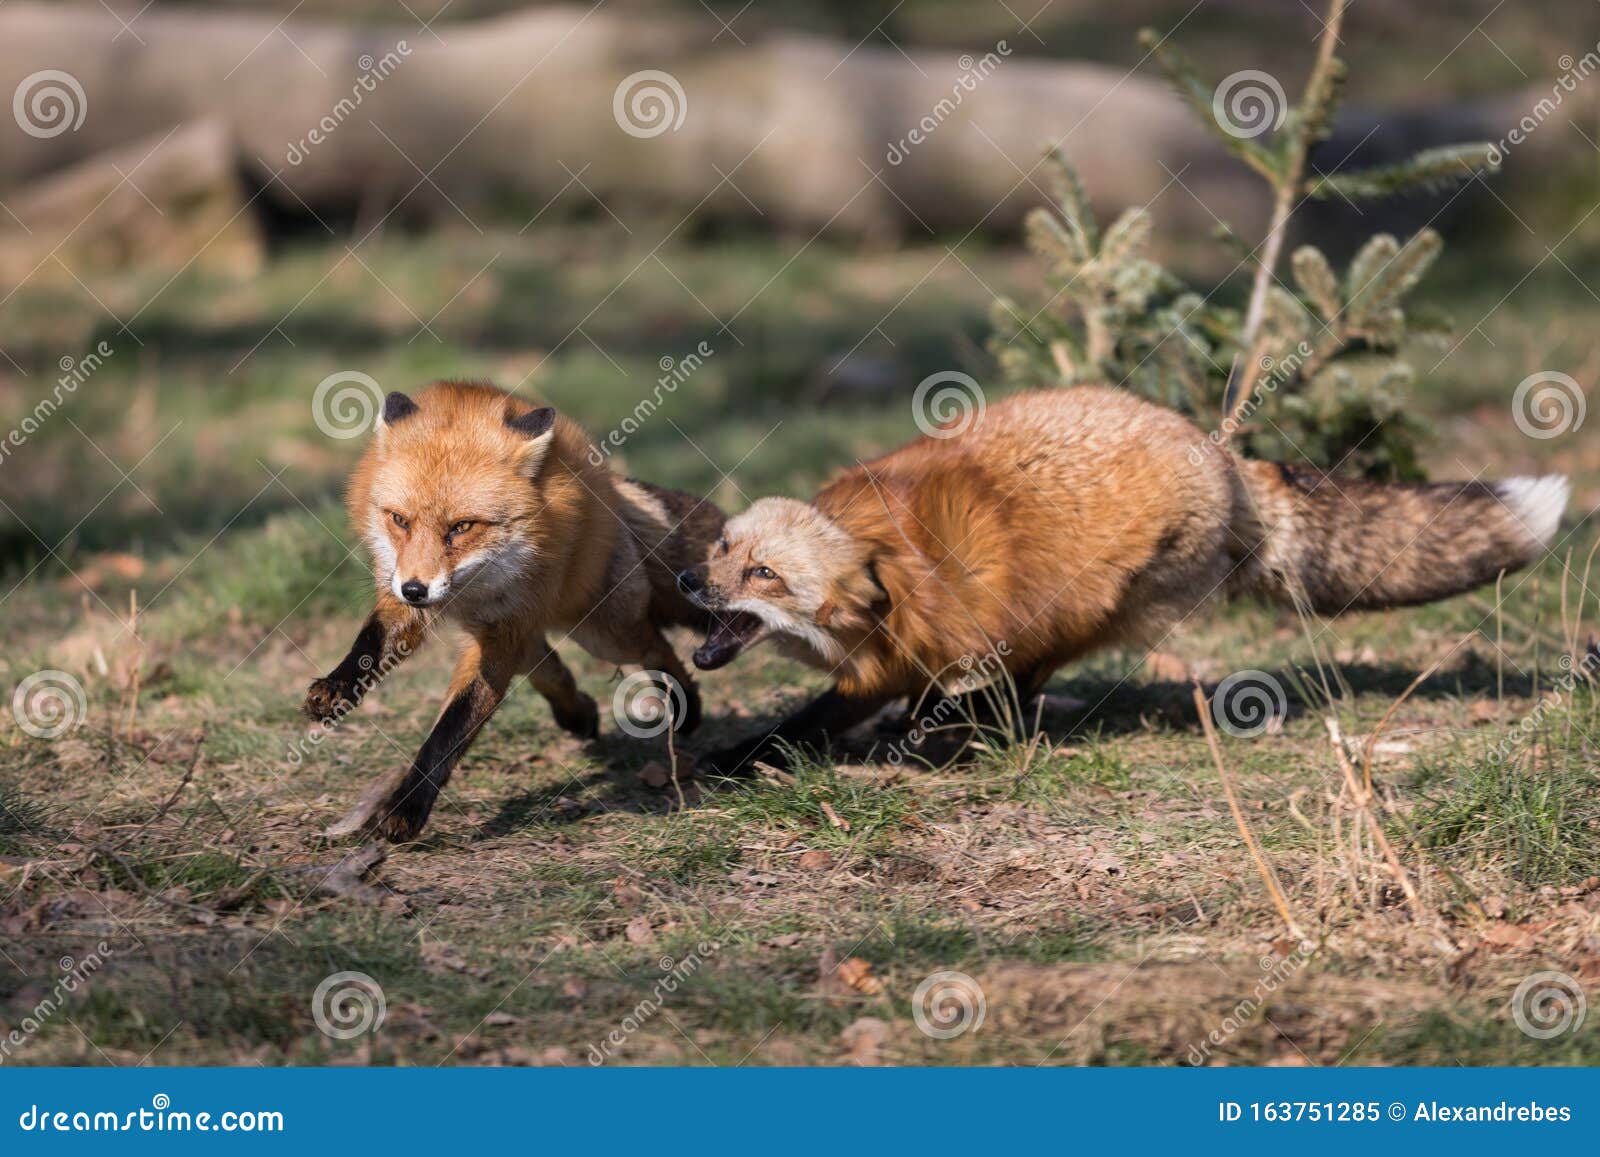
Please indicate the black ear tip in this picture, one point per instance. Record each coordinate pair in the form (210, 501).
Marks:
(534, 422)
(397, 406)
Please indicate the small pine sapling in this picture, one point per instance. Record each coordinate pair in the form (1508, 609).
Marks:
(1312, 368)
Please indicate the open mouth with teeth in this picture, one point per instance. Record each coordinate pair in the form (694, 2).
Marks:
(728, 638)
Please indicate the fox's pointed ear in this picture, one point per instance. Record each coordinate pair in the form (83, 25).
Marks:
(535, 426)
(535, 423)
(397, 407)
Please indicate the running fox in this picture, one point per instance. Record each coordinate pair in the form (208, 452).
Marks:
(1064, 521)
(499, 516)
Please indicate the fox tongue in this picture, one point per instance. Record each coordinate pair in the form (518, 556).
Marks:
(725, 641)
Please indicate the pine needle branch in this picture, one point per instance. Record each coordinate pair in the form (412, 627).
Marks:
(1314, 114)
(1431, 169)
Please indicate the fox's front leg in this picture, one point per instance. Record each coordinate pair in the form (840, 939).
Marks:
(483, 672)
(574, 711)
(829, 715)
(392, 633)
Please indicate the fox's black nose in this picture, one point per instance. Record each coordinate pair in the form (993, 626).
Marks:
(689, 582)
(414, 591)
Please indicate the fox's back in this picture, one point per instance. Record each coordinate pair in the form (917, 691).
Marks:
(1050, 517)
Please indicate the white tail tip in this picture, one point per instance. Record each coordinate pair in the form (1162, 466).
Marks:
(1536, 503)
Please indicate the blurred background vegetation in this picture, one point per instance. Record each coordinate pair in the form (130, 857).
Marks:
(202, 418)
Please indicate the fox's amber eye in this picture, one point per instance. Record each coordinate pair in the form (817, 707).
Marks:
(400, 520)
(463, 526)
(762, 572)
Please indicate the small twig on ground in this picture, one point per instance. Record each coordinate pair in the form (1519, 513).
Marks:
(138, 661)
(171, 800)
(1268, 876)
(1361, 797)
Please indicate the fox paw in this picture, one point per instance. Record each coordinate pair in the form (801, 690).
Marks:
(583, 720)
(402, 821)
(328, 700)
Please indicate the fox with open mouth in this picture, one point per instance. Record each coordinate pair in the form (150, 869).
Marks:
(1061, 522)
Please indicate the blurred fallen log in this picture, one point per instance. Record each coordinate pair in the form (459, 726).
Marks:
(163, 203)
(531, 108)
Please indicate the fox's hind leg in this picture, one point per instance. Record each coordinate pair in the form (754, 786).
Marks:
(655, 654)
(483, 672)
(640, 643)
(392, 633)
(573, 710)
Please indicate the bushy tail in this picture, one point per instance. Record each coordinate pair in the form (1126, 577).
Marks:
(1339, 544)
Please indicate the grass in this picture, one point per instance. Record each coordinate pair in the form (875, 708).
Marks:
(1094, 886)
(23, 822)
(1534, 808)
